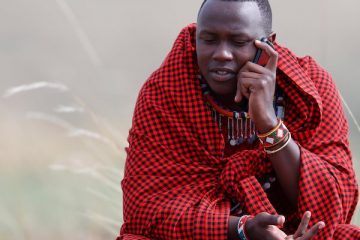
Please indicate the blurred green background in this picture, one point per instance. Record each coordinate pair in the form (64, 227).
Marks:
(70, 73)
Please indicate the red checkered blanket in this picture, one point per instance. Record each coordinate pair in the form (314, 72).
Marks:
(177, 183)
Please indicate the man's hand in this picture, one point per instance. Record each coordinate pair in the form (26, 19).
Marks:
(302, 233)
(257, 83)
(265, 226)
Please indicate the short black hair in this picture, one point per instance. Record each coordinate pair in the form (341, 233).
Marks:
(265, 11)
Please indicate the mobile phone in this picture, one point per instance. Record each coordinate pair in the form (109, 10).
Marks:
(261, 57)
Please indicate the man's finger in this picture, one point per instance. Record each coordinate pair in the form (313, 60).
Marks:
(253, 75)
(273, 55)
(313, 231)
(238, 95)
(252, 67)
(268, 219)
(245, 89)
(303, 225)
(244, 85)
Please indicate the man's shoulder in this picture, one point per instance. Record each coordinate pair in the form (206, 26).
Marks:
(306, 64)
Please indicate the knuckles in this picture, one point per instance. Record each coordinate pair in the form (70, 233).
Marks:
(265, 83)
(275, 53)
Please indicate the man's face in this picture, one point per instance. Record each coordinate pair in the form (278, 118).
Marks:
(225, 35)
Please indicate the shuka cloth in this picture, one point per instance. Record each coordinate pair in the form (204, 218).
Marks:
(178, 184)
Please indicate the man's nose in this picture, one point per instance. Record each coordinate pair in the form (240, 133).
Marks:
(223, 53)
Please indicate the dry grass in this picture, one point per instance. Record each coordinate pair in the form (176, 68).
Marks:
(67, 185)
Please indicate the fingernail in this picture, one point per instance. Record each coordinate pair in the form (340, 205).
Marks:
(257, 41)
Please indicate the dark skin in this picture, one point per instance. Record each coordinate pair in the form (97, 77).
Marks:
(265, 226)
(226, 43)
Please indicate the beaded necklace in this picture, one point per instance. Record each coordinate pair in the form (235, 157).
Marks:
(240, 128)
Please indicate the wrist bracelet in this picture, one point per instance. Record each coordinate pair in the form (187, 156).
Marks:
(275, 136)
(241, 227)
(262, 135)
(280, 148)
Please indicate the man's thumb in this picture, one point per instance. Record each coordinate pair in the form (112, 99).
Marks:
(268, 219)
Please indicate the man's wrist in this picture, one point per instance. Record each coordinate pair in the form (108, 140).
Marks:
(247, 228)
(266, 125)
(232, 228)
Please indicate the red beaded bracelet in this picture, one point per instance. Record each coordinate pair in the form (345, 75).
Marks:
(241, 226)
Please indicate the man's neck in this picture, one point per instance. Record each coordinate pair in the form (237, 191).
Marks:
(229, 103)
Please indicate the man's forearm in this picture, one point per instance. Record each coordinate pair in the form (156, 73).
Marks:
(286, 164)
(232, 228)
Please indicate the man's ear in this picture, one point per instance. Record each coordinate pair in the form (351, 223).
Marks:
(272, 37)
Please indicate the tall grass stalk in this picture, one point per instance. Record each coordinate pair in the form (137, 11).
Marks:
(105, 224)
(351, 113)
(104, 197)
(33, 86)
(68, 109)
(102, 218)
(80, 33)
(91, 171)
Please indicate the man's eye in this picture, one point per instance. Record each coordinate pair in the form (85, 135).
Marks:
(209, 40)
(240, 42)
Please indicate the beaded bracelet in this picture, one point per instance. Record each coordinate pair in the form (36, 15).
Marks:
(241, 226)
(275, 136)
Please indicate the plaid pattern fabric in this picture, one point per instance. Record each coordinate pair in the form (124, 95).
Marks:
(178, 183)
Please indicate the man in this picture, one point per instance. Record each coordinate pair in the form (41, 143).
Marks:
(223, 147)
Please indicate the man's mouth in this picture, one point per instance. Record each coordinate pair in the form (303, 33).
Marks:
(222, 74)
